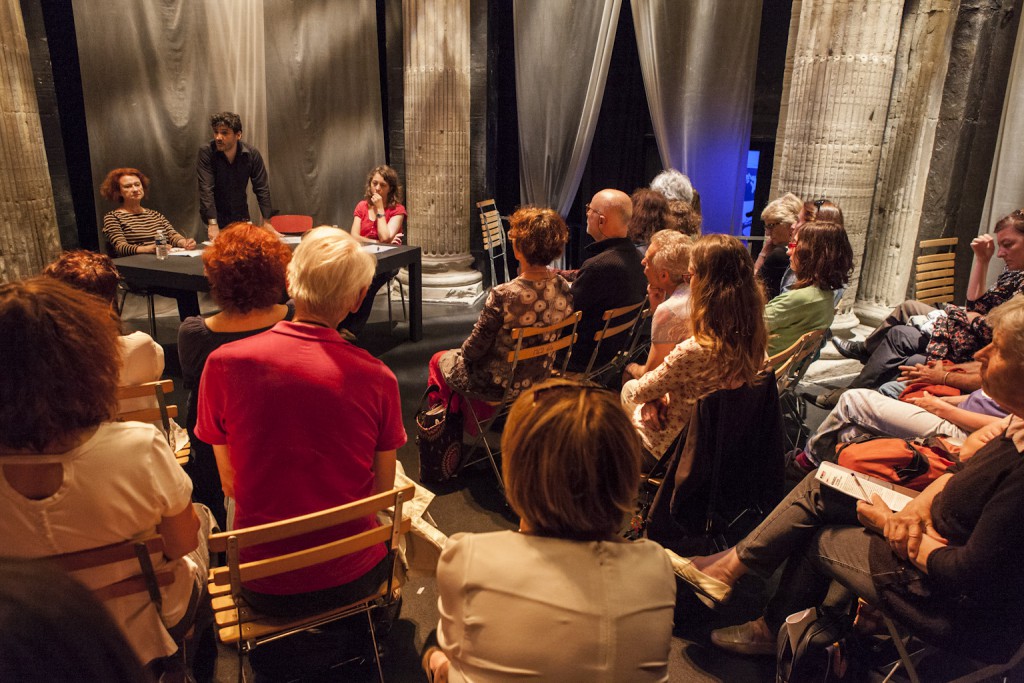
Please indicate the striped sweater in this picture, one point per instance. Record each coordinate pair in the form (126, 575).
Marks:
(126, 231)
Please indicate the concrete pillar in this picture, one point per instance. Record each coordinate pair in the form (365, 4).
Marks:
(436, 41)
(28, 221)
(921, 64)
(839, 71)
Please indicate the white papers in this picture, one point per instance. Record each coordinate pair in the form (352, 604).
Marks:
(186, 252)
(291, 239)
(377, 248)
(862, 486)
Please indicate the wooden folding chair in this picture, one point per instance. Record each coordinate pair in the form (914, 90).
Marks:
(493, 231)
(563, 336)
(790, 366)
(617, 321)
(146, 581)
(934, 271)
(241, 625)
(160, 412)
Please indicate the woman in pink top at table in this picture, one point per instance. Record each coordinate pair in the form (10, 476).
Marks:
(378, 219)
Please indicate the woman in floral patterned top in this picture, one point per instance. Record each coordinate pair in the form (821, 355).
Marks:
(727, 349)
(538, 297)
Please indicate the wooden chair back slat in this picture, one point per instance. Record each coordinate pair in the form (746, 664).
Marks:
(315, 521)
(940, 242)
(934, 272)
(543, 349)
(93, 558)
(148, 414)
(164, 386)
(936, 258)
(525, 332)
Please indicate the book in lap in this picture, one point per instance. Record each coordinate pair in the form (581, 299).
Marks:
(861, 486)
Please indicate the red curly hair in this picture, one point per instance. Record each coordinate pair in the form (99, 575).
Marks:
(110, 189)
(246, 268)
(539, 234)
(87, 271)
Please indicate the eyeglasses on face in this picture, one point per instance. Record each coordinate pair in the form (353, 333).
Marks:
(589, 208)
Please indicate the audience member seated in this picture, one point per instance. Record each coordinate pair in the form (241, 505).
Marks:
(73, 479)
(565, 598)
(675, 186)
(863, 412)
(131, 229)
(667, 268)
(963, 377)
(821, 210)
(142, 359)
(650, 214)
(726, 351)
(246, 269)
(378, 219)
(948, 567)
(611, 277)
(954, 336)
(781, 218)
(537, 297)
(53, 629)
(301, 420)
(683, 218)
(822, 260)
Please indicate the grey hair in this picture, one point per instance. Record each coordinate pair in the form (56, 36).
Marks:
(328, 270)
(672, 253)
(1008, 319)
(674, 185)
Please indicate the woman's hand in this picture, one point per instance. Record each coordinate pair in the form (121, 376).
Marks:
(930, 403)
(378, 203)
(984, 247)
(905, 529)
(188, 244)
(146, 249)
(656, 296)
(654, 413)
(873, 515)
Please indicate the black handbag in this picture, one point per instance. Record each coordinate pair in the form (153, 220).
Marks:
(439, 439)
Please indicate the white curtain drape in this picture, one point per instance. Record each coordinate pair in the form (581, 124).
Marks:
(1006, 182)
(562, 52)
(153, 72)
(698, 59)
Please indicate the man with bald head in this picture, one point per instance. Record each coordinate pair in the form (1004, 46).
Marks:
(611, 276)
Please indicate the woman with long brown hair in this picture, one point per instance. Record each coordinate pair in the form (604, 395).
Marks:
(727, 349)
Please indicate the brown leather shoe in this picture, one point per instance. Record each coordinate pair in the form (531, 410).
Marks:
(743, 639)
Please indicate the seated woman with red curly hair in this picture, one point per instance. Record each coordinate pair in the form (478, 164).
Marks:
(131, 229)
(246, 269)
(538, 297)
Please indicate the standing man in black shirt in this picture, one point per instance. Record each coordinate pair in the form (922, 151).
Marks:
(225, 166)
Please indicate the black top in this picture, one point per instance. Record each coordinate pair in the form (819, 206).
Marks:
(612, 277)
(971, 599)
(222, 184)
(772, 270)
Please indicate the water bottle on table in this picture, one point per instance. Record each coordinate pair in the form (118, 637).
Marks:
(162, 248)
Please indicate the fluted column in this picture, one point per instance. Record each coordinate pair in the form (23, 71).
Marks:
(28, 220)
(839, 72)
(437, 161)
(921, 63)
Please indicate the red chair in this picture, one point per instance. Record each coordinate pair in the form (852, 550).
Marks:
(292, 223)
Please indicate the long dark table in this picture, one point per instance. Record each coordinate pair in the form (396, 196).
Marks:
(186, 274)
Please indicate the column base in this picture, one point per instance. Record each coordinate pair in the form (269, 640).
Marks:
(448, 280)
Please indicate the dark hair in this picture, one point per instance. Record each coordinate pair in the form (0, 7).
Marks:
(246, 268)
(53, 629)
(110, 188)
(650, 211)
(824, 257)
(390, 176)
(823, 210)
(88, 271)
(227, 118)
(682, 218)
(1014, 220)
(572, 460)
(61, 362)
(539, 234)
(727, 306)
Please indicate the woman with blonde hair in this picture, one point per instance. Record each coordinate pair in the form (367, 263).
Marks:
(727, 349)
(781, 218)
(565, 597)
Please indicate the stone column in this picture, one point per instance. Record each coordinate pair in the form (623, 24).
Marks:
(838, 80)
(437, 153)
(921, 64)
(28, 221)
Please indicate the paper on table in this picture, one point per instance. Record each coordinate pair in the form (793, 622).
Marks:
(377, 248)
(862, 486)
(291, 239)
(186, 252)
